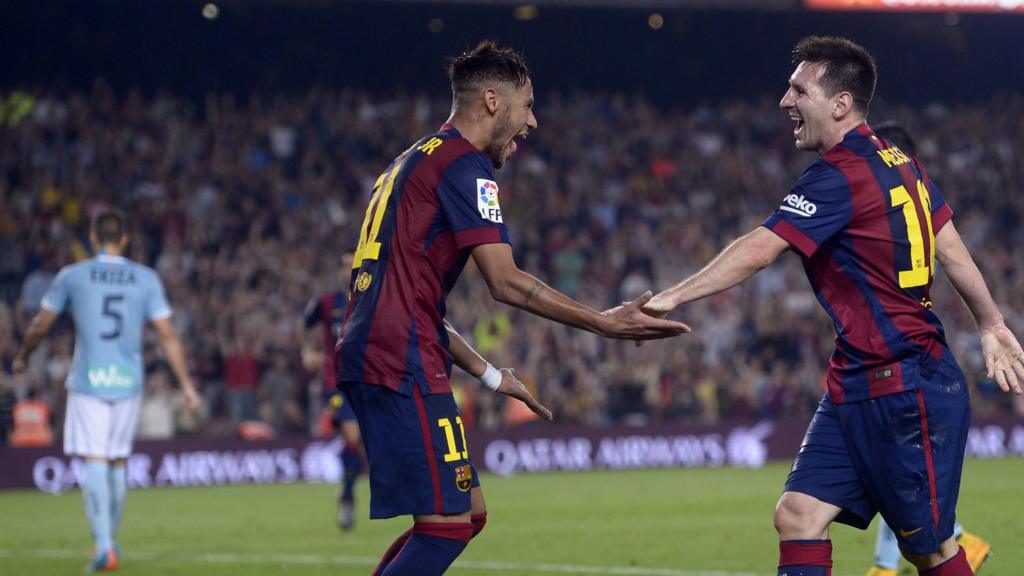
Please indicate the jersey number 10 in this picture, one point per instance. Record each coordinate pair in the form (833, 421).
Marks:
(922, 268)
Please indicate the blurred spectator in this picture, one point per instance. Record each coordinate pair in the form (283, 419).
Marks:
(161, 404)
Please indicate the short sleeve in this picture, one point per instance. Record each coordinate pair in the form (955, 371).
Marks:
(817, 208)
(157, 306)
(470, 202)
(56, 297)
(313, 314)
(941, 211)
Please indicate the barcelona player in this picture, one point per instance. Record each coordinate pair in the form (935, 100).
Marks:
(433, 208)
(328, 311)
(110, 298)
(887, 550)
(869, 224)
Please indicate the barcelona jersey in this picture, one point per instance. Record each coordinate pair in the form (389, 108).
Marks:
(864, 218)
(433, 204)
(328, 310)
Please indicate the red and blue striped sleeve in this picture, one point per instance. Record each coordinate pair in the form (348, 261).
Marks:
(817, 208)
(469, 201)
(941, 211)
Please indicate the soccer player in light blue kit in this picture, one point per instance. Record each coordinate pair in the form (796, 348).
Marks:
(110, 298)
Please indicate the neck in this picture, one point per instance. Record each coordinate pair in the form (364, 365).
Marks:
(840, 132)
(109, 250)
(471, 125)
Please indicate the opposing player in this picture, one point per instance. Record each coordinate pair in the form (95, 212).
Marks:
(110, 298)
(887, 550)
(329, 312)
(869, 223)
(434, 207)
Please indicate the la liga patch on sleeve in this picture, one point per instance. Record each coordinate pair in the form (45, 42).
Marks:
(487, 200)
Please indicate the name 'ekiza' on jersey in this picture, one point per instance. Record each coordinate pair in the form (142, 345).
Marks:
(432, 205)
(864, 218)
(111, 298)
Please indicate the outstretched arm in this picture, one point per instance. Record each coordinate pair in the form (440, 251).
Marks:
(171, 345)
(501, 381)
(1004, 358)
(37, 329)
(739, 261)
(514, 287)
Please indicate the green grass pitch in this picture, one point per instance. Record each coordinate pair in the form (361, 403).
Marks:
(657, 523)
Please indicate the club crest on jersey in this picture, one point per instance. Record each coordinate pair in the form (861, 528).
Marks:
(363, 281)
(487, 200)
(798, 204)
(464, 478)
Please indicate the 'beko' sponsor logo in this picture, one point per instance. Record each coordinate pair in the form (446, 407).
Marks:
(797, 204)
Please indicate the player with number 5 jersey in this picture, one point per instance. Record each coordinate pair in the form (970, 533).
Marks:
(110, 299)
(870, 226)
(436, 206)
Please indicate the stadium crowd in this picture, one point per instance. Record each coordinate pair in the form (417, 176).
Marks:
(245, 206)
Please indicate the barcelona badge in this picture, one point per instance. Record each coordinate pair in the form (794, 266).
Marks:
(464, 478)
(363, 281)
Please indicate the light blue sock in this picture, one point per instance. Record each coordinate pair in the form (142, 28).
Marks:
(97, 502)
(958, 529)
(887, 550)
(118, 489)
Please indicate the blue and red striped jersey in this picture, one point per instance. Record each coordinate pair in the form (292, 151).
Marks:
(436, 201)
(329, 311)
(864, 218)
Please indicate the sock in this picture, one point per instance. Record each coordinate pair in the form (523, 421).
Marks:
(958, 530)
(805, 558)
(955, 566)
(118, 490)
(96, 492)
(350, 463)
(391, 552)
(887, 549)
(431, 549)
(479, 521)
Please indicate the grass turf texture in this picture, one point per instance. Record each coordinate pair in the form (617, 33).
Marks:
(657, 522)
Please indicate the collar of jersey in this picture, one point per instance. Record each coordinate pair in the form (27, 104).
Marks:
(109, 258)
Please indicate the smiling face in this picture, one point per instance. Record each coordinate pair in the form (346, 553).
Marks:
(812, 108)
(513, 120)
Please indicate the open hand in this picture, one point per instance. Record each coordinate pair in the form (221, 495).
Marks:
(1004, 358)
(629, 322)
(511, 386)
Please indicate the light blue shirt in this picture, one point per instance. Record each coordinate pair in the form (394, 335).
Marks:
(110, 298)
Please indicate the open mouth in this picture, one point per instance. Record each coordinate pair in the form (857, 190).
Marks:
(512, 146)
(799, 125)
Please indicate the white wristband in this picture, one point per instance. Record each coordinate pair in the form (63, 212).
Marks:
(491, 377)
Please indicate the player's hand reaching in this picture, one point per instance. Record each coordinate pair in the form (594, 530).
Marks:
(629, 322)
(511, 386)
(657, 307)
(1004, 358)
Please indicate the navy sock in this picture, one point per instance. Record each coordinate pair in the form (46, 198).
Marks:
(431, 549)
(955, 566)
(391, 552)
(351, 463)
(805, 558)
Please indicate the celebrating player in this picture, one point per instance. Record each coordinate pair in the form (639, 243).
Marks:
(887, 550)
(890, 433)
(435, 206)
(110, 298)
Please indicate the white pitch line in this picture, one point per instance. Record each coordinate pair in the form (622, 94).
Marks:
(317, 559)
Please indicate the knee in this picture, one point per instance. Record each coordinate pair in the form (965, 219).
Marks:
(479, 521)
(799, 519)
(946, 551)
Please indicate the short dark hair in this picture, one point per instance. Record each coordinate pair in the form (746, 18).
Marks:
(848, 66)
(108, 226)
(487, 62)
(895, 132)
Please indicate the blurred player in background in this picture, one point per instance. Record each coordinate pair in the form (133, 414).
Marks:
(887, 550)
(329, 312)
(435, 206)
(110, 298)
(890, 433)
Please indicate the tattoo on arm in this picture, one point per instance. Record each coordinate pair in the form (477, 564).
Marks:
(537, 287)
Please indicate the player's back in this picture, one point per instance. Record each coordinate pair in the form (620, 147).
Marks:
(110, 298)
(865, 216)
(434, 202)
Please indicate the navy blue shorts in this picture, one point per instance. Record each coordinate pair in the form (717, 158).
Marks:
(899, 455)
(416, 448)
(343, 412)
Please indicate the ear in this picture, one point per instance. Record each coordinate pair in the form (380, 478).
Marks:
(842, 106)
(492, 100)
(124, 242)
